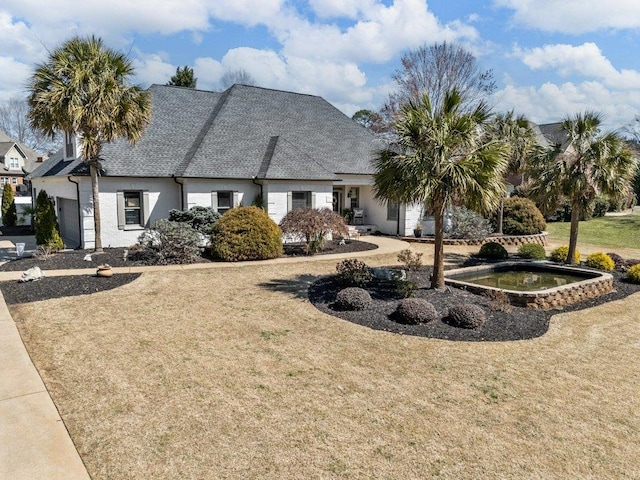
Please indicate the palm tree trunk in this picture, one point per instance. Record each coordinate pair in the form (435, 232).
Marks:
(437, 279)
(93, 169)
(573, 232)
(500, 216)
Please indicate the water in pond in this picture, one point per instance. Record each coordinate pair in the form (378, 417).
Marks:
(520, 280)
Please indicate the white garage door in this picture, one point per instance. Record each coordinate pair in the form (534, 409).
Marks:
(69, 222)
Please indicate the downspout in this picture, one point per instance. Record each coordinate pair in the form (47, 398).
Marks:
(175, 179)
(398, 222)
(79, 211)
(253, 180)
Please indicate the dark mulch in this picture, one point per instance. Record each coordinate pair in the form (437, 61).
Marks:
(15, 292)
(330, 247)
(53, 287)
(17, 230)
(518, 324)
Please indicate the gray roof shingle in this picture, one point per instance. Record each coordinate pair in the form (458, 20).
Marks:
(201, 134)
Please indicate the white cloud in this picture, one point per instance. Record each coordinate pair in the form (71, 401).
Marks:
(13, 77)
(380, 33)
(550, 102)
(586, 60)
(246, 12)
(340, 8)
(208, 72)
(574, 17)
(153, 69)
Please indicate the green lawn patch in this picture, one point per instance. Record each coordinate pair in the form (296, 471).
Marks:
(622, 231)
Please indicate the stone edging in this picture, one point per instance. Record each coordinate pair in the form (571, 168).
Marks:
(556, 297)
(508, 240)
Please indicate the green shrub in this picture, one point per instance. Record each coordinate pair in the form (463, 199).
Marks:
(560, 254)
(466, 223)
(521, 217)
(601, 261)
(168, 243)
(405, 288)
(246, 233)
(46, 225)
(353, 298)
(493, 251)
(466, 315)
(600, 207)
(201, 218)
(353, 273)
(534, 251)
(411, 260)
(618, 261)
(9, 214)
(633, 274)
(412, 311)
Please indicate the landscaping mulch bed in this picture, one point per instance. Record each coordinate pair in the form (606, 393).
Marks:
(52, 287)
(518, 324)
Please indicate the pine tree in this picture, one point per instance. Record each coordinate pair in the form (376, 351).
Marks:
(183, 78)
(46, 224)
(7, 200)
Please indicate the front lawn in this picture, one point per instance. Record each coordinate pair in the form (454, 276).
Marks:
(232, 373)
(606, 232)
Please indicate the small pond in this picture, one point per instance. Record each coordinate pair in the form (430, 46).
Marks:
(521, 278)
(532, 284)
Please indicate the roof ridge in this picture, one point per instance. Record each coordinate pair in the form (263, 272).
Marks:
(190, 153)
(268, 155)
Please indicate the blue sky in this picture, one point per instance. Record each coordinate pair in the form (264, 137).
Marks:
(550, 58)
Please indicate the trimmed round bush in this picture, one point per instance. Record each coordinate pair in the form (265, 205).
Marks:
(534, 251)
(493, 251)
(560, 254)
(521, 217)
(601, 261)
(412, 311)
(353, 273)
(466, 315)
(633, 274)
(353, 298)
(246, 233)
(619, 262)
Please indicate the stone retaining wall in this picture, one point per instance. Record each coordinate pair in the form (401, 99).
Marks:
(507, 240)
(544, 299)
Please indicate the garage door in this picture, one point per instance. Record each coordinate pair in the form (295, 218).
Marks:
(69, 222)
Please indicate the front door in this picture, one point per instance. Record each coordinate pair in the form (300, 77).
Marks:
(338, 201)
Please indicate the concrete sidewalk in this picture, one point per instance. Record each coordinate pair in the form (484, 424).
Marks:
(34, 442)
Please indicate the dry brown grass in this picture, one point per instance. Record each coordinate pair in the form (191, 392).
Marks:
(231, 373)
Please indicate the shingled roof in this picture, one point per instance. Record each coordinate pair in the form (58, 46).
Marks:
(30, 156)
(241, 133)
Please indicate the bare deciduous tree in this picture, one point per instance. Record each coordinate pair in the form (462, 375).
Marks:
(435, 70)
(15, 123)
(232, 77)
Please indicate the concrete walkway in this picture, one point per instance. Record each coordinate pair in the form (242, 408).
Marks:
(34, 442)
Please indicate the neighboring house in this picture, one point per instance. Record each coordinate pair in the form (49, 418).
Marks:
(222, 150)
(16, 161)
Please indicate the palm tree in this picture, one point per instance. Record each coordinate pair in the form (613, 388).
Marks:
(83, 89)
(516, 131)
(442, 155)
(589, 163)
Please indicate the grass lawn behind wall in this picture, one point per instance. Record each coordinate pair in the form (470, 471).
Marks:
(611, 231)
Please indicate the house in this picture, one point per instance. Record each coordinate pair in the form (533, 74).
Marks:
(16, 162)
(238, 147)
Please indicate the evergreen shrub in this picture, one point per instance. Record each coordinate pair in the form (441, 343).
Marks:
(246, 233)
